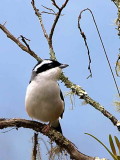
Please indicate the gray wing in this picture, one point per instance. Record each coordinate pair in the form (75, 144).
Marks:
(61, 95)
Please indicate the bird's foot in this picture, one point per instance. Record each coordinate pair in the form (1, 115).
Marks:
(46, 128)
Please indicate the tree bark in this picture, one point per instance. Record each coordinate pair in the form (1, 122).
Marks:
(55, 136)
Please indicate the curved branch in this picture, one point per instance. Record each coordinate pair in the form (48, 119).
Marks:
(86, 44)
(56, 20)
(52, 134)
(16, 40)
(105, 52)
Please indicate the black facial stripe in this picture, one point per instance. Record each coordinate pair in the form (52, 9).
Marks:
(43, 68)
(37, 64)
(47, 66)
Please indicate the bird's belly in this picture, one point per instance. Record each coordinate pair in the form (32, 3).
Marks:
(46, 107)
(44, 112)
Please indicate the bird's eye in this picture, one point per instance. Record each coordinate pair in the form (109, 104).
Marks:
(50, 65)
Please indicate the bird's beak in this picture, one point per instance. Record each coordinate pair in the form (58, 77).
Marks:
(63, 66)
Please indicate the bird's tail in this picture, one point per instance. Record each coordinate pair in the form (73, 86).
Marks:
(56, 125)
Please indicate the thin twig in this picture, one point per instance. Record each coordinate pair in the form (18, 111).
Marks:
(48, 13)
(16, 40)
(55, 4)
(85, 40)
(51, 10)
(56, 20)
(57, 15)
(35, 146)
(44, 142)
(40, 19)
(64, 5)
(115, 3)
(103, 48)
(51, 13)
(53, 28)
(24, 41)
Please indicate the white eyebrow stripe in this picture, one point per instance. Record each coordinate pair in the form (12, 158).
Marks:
(42, 63)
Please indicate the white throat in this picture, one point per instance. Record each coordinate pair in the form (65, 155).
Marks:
(51, 74)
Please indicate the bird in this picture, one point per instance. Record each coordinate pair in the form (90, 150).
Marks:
(44, 100)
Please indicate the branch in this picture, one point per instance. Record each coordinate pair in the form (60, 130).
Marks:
(38, 14)
(55, 4)
(83, 95)
(16, 40)
(85, 41)
(105, 52)
(35, 147)
(56, 20)
(49, 9)
(57, 16)
(55, 136)
(48, 13)
(116, 2)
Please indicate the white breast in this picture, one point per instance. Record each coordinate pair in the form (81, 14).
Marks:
(43, 100)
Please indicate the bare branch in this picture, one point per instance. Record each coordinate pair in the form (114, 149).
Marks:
(83, 95)
(105, 52)
(35, 142)
(54, 3)
(48, 13)
(24, 41)
(85, 40)
(64, 5)
(115, 2)
(57, 15)
(53, 28)
(51, 10)
(40, 19)
(56, 20)
(24, 48)
(55, 136)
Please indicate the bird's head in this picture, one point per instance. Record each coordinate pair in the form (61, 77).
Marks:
(49, 69)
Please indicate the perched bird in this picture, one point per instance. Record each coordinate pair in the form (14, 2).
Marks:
(44, 100)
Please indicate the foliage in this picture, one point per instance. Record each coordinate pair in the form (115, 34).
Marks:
(117, 3)
(113, 145)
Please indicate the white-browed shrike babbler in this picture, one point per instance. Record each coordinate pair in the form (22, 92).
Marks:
(44, 100)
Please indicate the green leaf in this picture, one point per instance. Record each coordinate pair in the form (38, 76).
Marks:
(114, 157)
(118, 157)
(112, 145)
(117, 143)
